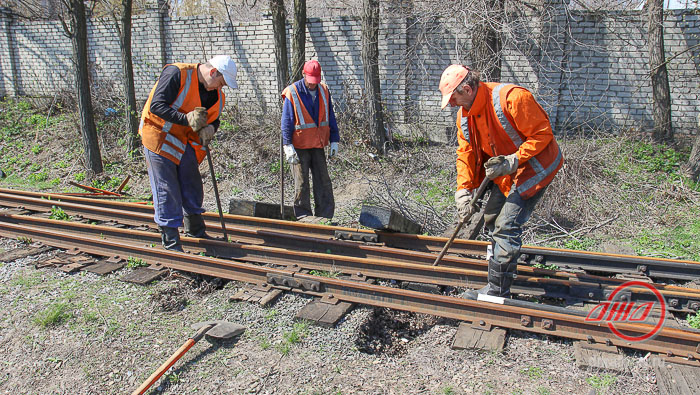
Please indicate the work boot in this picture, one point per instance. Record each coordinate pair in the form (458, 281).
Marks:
(171, 238)
(501, 277)
(195, 227)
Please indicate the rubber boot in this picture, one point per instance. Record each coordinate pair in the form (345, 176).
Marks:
(195, 227)
(171, 238)
(501, 277)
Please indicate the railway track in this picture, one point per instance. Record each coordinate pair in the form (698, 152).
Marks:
(681, 345)
(594, 263)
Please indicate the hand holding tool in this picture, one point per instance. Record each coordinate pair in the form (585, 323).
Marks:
(197, 118)
(501, 165)
(475, 197)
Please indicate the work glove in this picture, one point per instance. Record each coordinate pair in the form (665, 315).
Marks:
(291, 154)
(501, 165)
(206, 134)
(333, 150)
(197, 118)
(462, 198)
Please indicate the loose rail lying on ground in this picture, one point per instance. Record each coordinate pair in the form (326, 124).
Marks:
(524, 316)
(656, 268)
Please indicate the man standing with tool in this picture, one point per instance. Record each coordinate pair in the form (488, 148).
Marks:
(508, 133)
(179, 119)
(308, 125)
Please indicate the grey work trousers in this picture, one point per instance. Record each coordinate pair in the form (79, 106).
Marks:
(313, 159)
(504, 218)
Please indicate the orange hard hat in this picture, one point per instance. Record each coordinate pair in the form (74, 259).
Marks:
(450, 80)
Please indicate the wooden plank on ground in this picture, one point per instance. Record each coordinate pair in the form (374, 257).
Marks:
(144, 275)
(469, 338)
(105, 266)
(23, 252)
(324, 314)
(599, 357)
(252, 208)
(676, 379)
(382, 218)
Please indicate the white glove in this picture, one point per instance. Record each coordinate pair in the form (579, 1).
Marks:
(501, 165)
(206, 134)
(333, 150)
(462, 199)
(291, 154)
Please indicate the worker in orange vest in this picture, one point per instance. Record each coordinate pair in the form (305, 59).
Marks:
(309, 125)
(179, 119)
(506, 136)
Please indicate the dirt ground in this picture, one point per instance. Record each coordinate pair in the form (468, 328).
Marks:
(106, 336)
(114, 334)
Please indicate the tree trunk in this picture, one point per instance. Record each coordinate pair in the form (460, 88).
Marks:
(131, 112)
(279, 29)
(486, 41)
(370, 68)
(663, 130)
(694, 160)
(93, 159)
(298, 39)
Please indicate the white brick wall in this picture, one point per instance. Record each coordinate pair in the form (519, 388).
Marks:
(604, 81)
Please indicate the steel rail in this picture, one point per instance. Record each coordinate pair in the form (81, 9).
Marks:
(659, 268)
(558, 322)
(570, 286)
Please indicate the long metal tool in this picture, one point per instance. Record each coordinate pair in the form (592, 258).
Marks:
(477, 196)
(216, 192)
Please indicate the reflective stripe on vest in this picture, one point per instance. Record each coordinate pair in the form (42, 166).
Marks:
(180, 99)
(298, 106)
(540, 172)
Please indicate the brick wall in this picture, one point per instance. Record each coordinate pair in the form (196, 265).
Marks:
(596, 76)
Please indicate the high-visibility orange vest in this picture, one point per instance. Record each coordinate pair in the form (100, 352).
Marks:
(532, 175)
(169, 139)
(306, 133)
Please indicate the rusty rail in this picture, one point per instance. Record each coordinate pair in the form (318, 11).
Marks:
(524, 316)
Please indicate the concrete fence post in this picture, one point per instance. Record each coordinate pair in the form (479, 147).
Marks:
(8, 63)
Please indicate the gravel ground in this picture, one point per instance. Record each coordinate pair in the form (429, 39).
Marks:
(112, 335)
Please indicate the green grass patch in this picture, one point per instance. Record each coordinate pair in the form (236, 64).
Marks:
(57, 213)
(533, 372)
(680, 241)
(323, 273)
(290, 338)
(133, 263)
(53, 315)
(601, 383)
(694, 320)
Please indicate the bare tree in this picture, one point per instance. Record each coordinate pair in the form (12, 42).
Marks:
(370, 68)
(486, 39)
(123, 26)
(279, 29)
(298, 39)
(76, 29)
(663, 129)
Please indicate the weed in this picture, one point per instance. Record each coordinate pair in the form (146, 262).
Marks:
(323, 273)
(448, 390)
(543, 391)
(584, 244)
(265, 343)
(57, 213)
(694, 320)
(90, 316)
(601, 383)
(173, 378)
(38, 176)
(80, 176)
(272, 313)
(533, 372)
(545, 266)
(298, 332)
(25, 240)
(275, 167)
(133, 263)
(53, 315)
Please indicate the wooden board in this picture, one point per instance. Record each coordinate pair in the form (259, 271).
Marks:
(23, 252)
(675, 379)
(324, 314)
(599, 357)
(383, 218)
(470, 338)
(252, 208)
(144, 275)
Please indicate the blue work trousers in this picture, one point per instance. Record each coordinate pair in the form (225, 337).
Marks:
(504, 218)
(175, 187)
